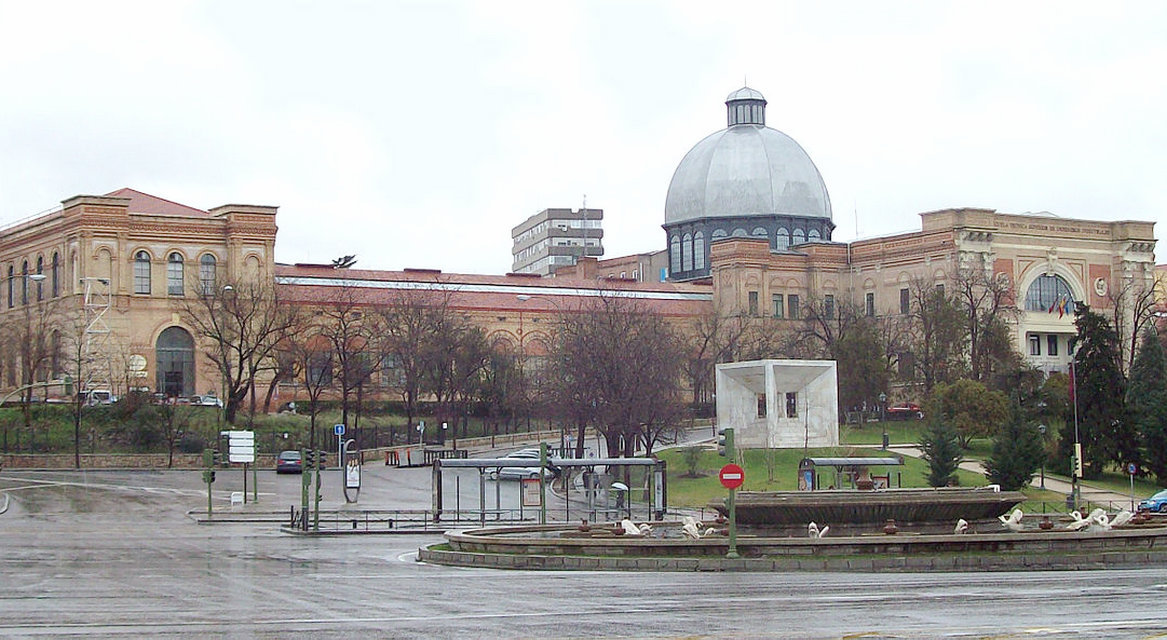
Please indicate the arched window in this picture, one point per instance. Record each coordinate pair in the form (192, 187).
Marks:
(24, 283)
(174, 355)
(675, 255)
(207, 274)
(40, 271)
(1049, 294)
(174, 274)
(56, 287)
(813, 235)
(759, 232)
(740, 233)
(142, 273)
(782, 239)
(699, 250)
(687, 253)
(719, 233)
(799, 238)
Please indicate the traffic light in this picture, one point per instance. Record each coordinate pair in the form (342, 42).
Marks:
(725, 442)
(208, 476)
(217, 457)
(310, 458)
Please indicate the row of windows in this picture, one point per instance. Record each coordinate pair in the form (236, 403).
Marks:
(1051, 344)
(782, 306)
(22, 280)
(687, 252)
(791, 404)
(175, 274)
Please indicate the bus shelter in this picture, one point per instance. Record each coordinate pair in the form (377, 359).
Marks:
(588, 488)
(848, 473)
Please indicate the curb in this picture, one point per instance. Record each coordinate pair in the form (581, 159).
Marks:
(1074, 561)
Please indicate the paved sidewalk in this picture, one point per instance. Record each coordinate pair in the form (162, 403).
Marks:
(1058, 484)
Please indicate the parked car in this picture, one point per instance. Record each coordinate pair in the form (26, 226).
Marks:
(206, 401)
(289, 462)
(94, 397)
(905, 411)
(1156, 503)
(531, 470)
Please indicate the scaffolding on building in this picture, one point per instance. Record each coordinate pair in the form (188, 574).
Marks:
(97, 356)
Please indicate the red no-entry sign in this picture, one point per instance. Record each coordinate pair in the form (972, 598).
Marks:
(731, 476)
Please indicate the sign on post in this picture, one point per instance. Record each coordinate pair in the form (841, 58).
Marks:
(241, 446)
(338, 429)
(731, 476)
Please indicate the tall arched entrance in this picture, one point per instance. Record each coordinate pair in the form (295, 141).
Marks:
(174, 355)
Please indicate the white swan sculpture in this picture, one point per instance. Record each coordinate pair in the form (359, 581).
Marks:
(961, 526)
(1013, 522)
(631, 529)
(1079, 522)
(1121, 518)
(813, 531)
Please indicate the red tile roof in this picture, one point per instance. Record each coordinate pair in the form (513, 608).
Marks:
(146, 203)
(488, 293)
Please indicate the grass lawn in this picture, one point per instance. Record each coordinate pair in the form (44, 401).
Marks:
(697, 492)
(871, 433)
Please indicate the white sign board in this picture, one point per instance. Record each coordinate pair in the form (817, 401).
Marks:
(241, 446)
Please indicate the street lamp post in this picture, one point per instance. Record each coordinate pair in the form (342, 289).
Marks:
(883, 417)
(1041, 428)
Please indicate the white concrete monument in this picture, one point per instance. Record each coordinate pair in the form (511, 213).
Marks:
(779, 404)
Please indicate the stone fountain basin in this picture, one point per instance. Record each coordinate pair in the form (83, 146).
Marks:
(847, 507)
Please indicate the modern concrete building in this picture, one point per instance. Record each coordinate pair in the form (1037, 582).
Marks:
(555, 238)
(779, 404)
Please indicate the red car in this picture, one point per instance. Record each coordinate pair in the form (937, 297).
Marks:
(905, 411)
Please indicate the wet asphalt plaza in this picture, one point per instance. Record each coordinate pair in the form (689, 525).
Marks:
(115, 554)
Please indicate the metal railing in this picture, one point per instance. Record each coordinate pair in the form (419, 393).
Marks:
(409, 520)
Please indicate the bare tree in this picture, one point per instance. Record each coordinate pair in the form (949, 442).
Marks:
(412, 322)
(935, 337)
(74, 349)
(622, 364)
(174, 422)
(351, 330)
(32, 337)
(987, 301)
(240, 322)
(711, 339)
(312, 354)
(1133, 307)
(456, 363)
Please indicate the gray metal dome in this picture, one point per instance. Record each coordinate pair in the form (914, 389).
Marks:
(746, 169)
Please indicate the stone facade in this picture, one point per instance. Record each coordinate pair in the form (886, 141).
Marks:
(1039, 256)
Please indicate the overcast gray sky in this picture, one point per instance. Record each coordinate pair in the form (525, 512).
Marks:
(416, 134)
